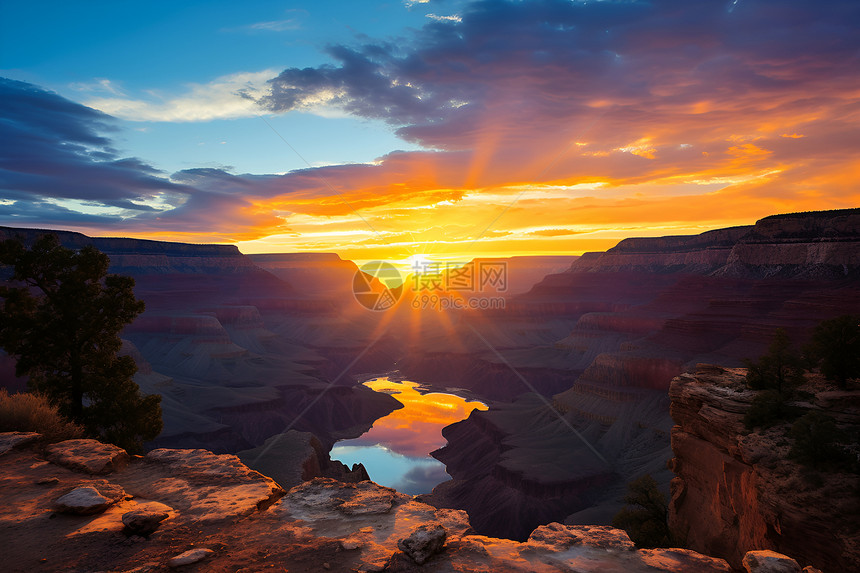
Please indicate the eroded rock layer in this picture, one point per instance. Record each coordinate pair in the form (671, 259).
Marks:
(737, 491)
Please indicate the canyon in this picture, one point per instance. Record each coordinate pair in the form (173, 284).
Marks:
(264, 354)
(602, 341)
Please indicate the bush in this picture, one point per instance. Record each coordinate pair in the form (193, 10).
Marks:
(33, 413)
(835, 346)
(779, 369)
(816, 441)
(647, 521)
(768, 408)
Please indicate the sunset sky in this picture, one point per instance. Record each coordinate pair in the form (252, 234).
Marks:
(448, 128)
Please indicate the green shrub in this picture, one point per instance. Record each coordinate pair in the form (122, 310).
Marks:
(816, 441)
(767, 409)
(835, 346)
(33, 413)
(646, 518)
(779, 369)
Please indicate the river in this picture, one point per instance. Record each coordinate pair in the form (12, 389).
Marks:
(396, 450)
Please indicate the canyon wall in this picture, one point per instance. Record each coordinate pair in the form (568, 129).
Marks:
(737, 491)
(602, 342)
(141, 256)
(821, 244)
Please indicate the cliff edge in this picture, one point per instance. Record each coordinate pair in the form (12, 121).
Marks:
(737, 491)
(82, 506)
(812, 245)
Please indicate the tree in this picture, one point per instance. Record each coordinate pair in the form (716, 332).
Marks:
(835, 346)
(779, 369)
(775, 374)
(647, 522)
(62, 325)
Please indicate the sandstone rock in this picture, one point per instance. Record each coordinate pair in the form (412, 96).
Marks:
(683, 561)
(12, 440)
(558, 537)
(83, 501)
(811, 569)
(143, 521)
(766, 561)
(424, 542)
(90, 456)
(324, 495)
(203, 485)
(145, 568)
(48, 481)
(190, 556)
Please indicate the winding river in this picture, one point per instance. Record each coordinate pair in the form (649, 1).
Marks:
(396, 450)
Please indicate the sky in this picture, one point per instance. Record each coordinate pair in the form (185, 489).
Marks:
(443, 128)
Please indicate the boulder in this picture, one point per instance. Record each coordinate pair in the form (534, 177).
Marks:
(144, 520)
(83, 501)
(766, 561)
(11, 440)
(89, 456)
(190, 556)
(322, 496)
(683, 561)
(424, 542)
(205, 486)
(558, 537)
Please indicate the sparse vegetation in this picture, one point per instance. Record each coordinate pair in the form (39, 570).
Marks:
(835, 347)
(776, 375)
(816, 438)
(62, 326)
(27, 412)
(767, 409)
(779, 369)
(646, 518)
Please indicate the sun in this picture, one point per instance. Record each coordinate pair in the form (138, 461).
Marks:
(418, 261)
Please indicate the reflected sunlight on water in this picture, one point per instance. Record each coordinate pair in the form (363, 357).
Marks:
(395, 451)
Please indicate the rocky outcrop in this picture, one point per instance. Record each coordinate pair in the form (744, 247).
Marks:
(190, 506)
(141, 256)
(823, 244)
(278, 456)
(90, 456)
(736, 491)
(12, 440)
(326, 274)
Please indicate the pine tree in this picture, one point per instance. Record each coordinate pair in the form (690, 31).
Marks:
(62, 326)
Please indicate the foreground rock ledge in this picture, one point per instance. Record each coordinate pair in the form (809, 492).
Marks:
(235, 519)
